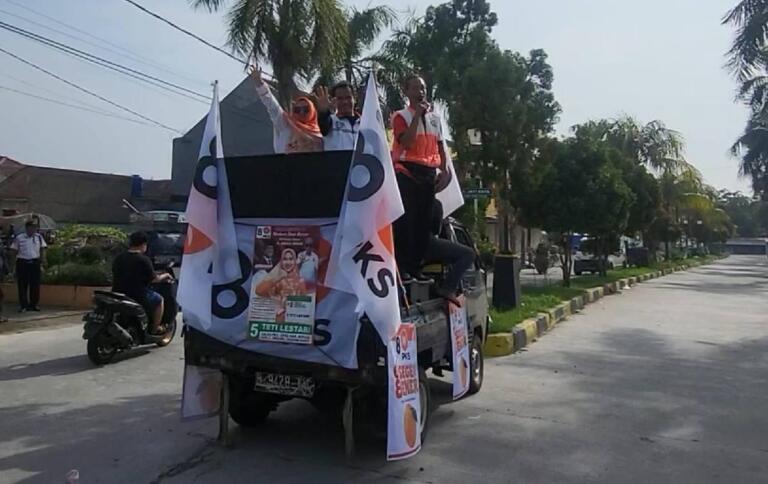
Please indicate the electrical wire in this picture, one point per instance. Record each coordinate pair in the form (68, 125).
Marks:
(89, 92)
(187, 32)
(136, 74)
(74, 106)
(101, 40)
(159, 17)
(58, 95)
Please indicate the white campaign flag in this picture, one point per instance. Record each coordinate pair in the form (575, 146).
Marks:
(449, 191)
(363, 258)
(210, 248)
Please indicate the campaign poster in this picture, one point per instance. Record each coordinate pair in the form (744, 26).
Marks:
(404, 406)
(458, 317)
(288, 262)
(201, 392)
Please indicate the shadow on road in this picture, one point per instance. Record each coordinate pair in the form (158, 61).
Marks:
(61, 366)
(127, 436)
(54, 367)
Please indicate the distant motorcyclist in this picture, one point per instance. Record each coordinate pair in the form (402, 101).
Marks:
(132, 273)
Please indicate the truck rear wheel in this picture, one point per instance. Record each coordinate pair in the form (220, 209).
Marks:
(247, 407)
(476, 365)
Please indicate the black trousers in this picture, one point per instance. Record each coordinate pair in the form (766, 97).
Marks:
(412, 230)
(28, 279)
(457, 257)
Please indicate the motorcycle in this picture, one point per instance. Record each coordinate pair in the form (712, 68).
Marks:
(118, 323)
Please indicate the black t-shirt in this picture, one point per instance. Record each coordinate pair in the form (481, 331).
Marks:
(131, 274)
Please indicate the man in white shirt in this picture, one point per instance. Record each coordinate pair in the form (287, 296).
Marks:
(309, 262)
(336, 115)
(29, 249)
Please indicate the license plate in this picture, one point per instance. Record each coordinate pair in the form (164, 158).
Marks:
(290, 385)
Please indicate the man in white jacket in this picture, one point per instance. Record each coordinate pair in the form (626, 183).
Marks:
(339, 128)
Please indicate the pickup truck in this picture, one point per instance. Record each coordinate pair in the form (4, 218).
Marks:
(258, 382)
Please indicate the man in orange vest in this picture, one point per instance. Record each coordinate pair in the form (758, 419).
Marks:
(417, 152)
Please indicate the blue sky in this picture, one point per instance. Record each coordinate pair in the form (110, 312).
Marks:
(657, 59)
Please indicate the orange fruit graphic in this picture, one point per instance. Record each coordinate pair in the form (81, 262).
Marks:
(410, 425)
(463, 372)
(208, 391)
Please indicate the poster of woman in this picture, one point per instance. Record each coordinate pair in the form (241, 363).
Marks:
(287, 265)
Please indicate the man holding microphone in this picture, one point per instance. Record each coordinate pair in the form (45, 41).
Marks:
(417, 152)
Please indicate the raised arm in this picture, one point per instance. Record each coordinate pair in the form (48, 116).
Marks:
(274, 109)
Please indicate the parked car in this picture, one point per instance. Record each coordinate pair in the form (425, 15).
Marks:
(591, 263)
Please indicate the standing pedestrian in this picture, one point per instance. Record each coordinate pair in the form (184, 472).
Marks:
(29, 248)
(417, 153)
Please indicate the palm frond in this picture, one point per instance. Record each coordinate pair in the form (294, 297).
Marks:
(210, 5)
(365, 26)
(251, 23)
(750, 17)
(329, 33)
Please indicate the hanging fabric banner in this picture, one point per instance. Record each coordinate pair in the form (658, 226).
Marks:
(458, 316)
(201, 392)
(404, 406)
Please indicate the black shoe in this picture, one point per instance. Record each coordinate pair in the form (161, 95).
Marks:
(35, 308)
(22, 310)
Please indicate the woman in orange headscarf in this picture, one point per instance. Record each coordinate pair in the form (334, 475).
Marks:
(282, 281)
(294, 132)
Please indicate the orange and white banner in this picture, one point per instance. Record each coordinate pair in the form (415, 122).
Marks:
(363, 257)
(404, 406)
(201, 392)
(459, 340)
(210, 248)
(448, 192)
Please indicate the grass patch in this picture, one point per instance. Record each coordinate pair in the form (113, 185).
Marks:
(537, 300)
(530, 306)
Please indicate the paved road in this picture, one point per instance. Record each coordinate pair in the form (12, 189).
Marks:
(665, 383)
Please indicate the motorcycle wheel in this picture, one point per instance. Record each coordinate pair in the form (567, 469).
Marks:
(169, 334)
(100, 351)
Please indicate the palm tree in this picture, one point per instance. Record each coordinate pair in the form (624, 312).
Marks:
(747, 55)
(364, 26)
(652, 144)
(748, 59)
(297, 37)
(752, 148)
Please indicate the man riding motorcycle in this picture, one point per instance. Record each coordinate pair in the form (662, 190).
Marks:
(132, 273)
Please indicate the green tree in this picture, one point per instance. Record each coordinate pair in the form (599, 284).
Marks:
(297, 37)
(439, 44)
(652, 144)
(749, 63)
(581, 190)
(752, 149)
(363, 28)
(513, 122)
(745, 213)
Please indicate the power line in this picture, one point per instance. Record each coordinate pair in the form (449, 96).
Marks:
(74, 106)
(77, 53)
(57, 94)
(193, 35)
(86, 33)
(136, 74)
(181, 29)
(101, 44)
(90, 93)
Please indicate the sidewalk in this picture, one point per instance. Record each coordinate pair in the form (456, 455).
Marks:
(31, 320)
